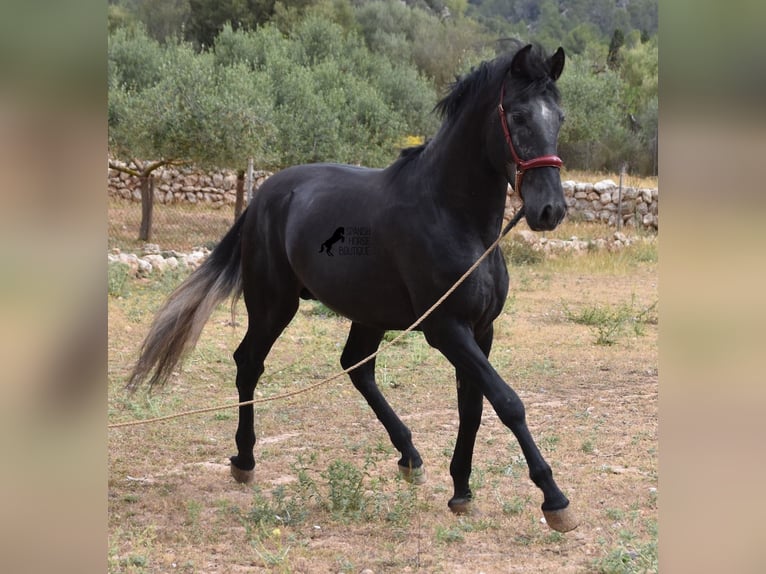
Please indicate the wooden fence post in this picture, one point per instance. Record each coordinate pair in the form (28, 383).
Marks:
(238, 206)
(147, 206)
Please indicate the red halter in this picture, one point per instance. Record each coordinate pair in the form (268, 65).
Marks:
(521, 165)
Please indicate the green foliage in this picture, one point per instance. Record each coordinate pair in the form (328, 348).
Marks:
(315, 95)
(207, 17)
(117, 282)
(216, 116)
(118, 17)
(280, 508)
(629, 560)
(639, 70)
(301, 81)
(345, 489)
(610, 322)
(134, 59)
(438, 47)
(595, 120)
(319, 309)
(579, 38)
(546, 18)
(163, 19)
(517, 253)
(516, 505)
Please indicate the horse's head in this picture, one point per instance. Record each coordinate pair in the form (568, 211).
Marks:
(529, 119)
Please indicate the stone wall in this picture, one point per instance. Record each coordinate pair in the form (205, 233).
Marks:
(637, 206)
(601, 201)
(182, 185)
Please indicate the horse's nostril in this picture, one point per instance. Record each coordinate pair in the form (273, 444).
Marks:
(551, 215)
(547, 214)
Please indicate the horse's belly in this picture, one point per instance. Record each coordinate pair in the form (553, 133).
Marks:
(355, 288)
(342, 262)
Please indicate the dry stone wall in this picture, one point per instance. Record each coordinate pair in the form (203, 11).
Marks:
(182, 185)
(601, 201)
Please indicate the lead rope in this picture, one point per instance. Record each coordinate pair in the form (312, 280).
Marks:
(367, 359)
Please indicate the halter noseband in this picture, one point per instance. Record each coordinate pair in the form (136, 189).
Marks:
(521, 165)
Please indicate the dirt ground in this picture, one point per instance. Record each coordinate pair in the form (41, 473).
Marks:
(326, 497)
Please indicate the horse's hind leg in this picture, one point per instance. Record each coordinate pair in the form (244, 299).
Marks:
(267, 318)
(363, 341)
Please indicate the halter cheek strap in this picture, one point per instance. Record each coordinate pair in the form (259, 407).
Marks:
(523, 165)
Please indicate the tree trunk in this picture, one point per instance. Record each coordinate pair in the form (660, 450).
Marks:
(238, 206)
(147, 206)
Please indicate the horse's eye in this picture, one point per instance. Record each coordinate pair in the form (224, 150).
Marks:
(518, 119)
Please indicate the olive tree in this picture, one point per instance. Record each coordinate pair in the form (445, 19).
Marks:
(197, 112)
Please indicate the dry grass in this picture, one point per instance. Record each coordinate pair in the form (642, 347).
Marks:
(326, 496)
(629, 180)
(179, 226)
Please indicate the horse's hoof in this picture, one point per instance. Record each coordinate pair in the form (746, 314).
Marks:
(242, 476)
(413, 475)
(562, 520)
(460, 505)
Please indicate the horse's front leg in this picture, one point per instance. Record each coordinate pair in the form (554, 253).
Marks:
(456, 342)
(470, 403)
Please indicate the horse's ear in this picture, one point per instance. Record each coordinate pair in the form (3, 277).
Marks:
(520, 64)
(556, 64)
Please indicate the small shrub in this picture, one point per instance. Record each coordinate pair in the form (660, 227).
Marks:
(118, 274)
(643, 251)
(279, 508)
(623, 560)
(345, 489)
(515, 506)
(449, 535)
(319, 309)
(518, 253)
(610, 322)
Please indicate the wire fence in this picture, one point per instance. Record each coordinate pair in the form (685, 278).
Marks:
(191, 208)
(175, 226)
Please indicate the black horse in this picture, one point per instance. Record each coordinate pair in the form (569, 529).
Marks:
(423, 221)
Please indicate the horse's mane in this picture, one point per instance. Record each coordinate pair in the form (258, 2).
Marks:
(481, 88)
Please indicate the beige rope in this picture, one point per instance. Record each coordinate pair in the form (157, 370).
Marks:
(382, 348)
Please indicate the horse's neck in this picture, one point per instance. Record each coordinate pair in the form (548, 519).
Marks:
(463, 179)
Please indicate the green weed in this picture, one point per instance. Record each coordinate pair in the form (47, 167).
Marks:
(282, 507)
(456, 532)
(345, 489)
(611, 322)
(117, 279)
(629, 560)
(448, 535)
(520, 253)
(515, 505)
(549, 443)
(271, 549)
(319, 309)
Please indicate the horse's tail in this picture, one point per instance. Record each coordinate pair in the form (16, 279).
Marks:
(178, 324)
